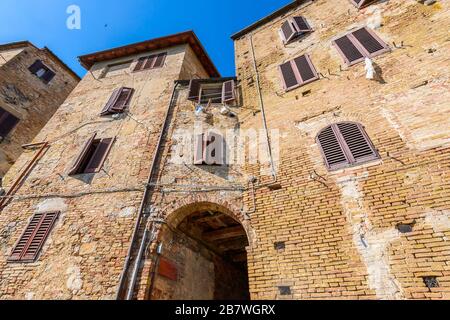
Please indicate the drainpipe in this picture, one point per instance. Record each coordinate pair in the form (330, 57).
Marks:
(142, 213)
(261, 104)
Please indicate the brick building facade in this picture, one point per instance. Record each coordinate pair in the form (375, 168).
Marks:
(349, 198)
(33, 84)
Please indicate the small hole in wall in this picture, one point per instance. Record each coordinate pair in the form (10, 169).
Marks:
(279, 245)
(275, 186)
(306, 93)
(431, 282)
(405, 228)
(285, 290)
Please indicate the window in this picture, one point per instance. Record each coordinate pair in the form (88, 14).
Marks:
(119, 101)
(345, 144)
(151, 62)
(41, 71)
(293, 28)
(361, 3)
(298, 72)
(116, 68)
(218, 92)
(92, 156)
(7, 123)
(33, 238)
(209, 149)
(359, 44)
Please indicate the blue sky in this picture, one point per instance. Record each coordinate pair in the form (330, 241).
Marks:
(110, 23)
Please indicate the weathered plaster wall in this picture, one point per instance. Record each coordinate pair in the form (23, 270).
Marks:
(324, 216)
(28, 98)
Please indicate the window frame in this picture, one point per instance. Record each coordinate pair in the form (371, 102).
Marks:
(147, 58)
(4, 115)
(46, 69)
(297, 73)
(295, 28)
(351, 162)
(360, 47)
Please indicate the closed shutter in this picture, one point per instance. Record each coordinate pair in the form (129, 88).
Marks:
(228, 91)
(37, 65)
(140, 64)
(199, 149)
(332, 150)
(82, 156)
(123, 100)
(288, 76)
(48, 76)
(348, 50)
(306, 69)
(160, 59)
(32, 240)
(99, 156)
(370, 42)
(298, 72)
(345, 144)
(194, 90)
(214, 153)
(150, 62)
(301, 24)
(7, 122)
(288, 31)
(359, 146)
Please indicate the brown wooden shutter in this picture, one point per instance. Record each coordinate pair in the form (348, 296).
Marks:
(194, 90)
(306, 69)
(150, 62)
(331, 149)
(160, 59)
(33, 238)
(361, 3)
(358, 144)
(36, 66)
(288, 30)
(199, 149)
(348, 50)
(81, 157)
(214, 149)
(370, 42)
(7, 122)
(123, 100)
(228, 91)
(290, 80)
(48, 76)
(111, 102)
(140, 64)
(301, 24)
(99, 156)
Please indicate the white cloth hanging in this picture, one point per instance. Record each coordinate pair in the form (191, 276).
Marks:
(370, 71)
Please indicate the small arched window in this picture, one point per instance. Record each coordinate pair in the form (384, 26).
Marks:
(345, 144)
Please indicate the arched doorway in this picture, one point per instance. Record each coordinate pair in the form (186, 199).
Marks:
(203, 256)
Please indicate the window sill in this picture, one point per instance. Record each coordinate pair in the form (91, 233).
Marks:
(359, 166)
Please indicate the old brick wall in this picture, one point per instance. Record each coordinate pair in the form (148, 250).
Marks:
(28, 98)
(85, 253)
(323, 216)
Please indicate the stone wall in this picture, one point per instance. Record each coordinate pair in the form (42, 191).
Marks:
(339, 227)
(85, 253)
(28, 98)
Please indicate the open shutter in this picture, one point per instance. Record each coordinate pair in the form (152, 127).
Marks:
(348, 50)
(288, 30)
(199, 149)
(306, 69)
(111, 102)
(361, 3)
(228, 91)
(370, 42)
(150, 62)
(48, 76)
(123, 100)
(301, 24)
(79, 161)
(37, 65)
(7, 122)
(288, 75)
(194, 90)
(99, 155)
(32, 240)
(331, 149)
(160, 59)
(357, 142)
